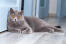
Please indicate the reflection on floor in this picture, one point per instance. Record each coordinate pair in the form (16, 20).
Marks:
(60, 21)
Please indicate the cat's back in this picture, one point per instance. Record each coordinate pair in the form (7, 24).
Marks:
(31, 19)
(34, 20)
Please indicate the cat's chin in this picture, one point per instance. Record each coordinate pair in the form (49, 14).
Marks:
(14, 22)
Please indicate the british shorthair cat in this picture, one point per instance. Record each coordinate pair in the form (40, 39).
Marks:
(28, 24)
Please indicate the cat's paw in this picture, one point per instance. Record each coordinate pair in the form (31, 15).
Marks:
(51, 31)
(29, 31)
(18, 30)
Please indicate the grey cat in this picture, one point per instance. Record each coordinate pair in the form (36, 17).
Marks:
(26, 24)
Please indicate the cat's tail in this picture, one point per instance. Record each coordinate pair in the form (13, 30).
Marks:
(58, 26)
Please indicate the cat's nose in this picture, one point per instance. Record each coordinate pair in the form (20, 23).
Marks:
(15, 20)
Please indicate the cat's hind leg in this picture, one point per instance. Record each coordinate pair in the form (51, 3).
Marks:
(56, 29)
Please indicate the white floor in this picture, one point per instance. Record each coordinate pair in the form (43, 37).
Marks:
(34, 38)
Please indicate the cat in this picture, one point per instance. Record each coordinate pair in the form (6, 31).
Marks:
(28, 24)
(16, 22)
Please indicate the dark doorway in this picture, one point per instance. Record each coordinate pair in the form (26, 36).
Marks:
(22, 7)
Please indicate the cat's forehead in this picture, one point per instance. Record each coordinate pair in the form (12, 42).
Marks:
(16, 12)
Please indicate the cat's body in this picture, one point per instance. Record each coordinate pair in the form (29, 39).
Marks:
(39, 25)
(27, 24)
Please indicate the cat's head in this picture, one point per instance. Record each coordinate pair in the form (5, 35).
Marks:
(16, 16)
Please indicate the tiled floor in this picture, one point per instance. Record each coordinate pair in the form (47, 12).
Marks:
(61, 21)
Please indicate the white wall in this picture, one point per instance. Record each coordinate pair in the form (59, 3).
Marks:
(34, 7)
(28, 7)
(52, 6)
(37, 8)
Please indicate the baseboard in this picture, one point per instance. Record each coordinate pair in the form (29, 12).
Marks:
(44, 17)
(4, 31)
(52, 15)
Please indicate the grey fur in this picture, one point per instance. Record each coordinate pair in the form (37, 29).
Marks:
(30, 24)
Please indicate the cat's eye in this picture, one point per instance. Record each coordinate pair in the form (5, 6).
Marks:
(18, 17)
(12, 16)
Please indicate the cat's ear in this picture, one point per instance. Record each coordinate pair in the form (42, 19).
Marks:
(11, 10)
(21, 12)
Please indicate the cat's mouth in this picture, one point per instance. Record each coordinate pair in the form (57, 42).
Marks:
(15, 21)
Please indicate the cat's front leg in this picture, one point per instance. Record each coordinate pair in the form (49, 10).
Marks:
(19, 31)
(30, 30)
(51, 30)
